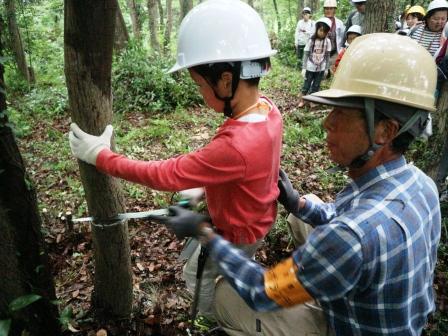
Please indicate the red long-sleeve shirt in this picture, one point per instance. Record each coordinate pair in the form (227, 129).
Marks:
(238, 168)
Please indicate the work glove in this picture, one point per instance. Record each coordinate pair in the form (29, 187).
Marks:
(289, 197)
(304, 73)
(86, 147)
(185, 223)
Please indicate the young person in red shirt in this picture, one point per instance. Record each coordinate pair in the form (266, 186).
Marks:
(226, 49)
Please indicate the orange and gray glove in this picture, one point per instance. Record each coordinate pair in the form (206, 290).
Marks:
(86, 147)
(289, 197)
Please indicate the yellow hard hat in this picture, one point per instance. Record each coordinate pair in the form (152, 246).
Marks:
(388, 67)
(416, 9)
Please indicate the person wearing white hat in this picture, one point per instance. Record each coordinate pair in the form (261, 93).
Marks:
(304, 30)
(357, 16)
(352, 33)
(316, 59)
(225, 47)
(337, 28)
(430, 34)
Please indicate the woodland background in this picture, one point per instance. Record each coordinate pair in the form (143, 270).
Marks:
(57, 277)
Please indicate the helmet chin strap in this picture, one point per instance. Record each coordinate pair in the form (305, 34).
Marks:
(369, 108)
(228, 112)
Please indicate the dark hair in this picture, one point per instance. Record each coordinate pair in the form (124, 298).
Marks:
(402, 142)
(419, 16)
(213, 72)
(318, 26)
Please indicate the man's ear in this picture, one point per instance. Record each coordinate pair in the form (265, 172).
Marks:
(385, 131)
(227, 77)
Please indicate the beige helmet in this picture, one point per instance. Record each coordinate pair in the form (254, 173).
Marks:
(387, 67)
(330, 4)
(389, 73)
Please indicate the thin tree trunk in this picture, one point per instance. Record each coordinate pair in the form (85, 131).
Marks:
(135, 19)
(152, 20)
(300, 6)
(277, 15)
(121, 32)
(440, 118)
(23, 260)
(379, 16)
(168, 26)
(185, 7)
(88, 43)
(161, 15)
(16, 41)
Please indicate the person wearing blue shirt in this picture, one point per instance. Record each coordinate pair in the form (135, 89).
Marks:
(367, 267)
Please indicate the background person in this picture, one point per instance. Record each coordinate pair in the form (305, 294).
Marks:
(337, 29)
(357, 16)
(352, 33)
(239, 167)
(316, 59)
(304, 30)
(370, 260)
(415, 16)
(429, 35)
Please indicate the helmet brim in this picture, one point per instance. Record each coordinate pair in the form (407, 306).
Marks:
(177, 66)
(335, 98)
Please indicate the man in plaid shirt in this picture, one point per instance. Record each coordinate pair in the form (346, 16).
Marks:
(367, 268)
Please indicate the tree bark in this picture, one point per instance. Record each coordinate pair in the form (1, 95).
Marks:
(153, 27)
(168, 26)
(88, 43)
(121, 32)
(313, 4)
(300, 6)
(161, 15)
(379, 16)
(440, 119)
(185, 7)
(16, 42)
(277, 15)
(135, 19)
(23, 261)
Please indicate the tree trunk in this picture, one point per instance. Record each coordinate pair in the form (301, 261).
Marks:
(300, 6)
(277, 15)
(168, 26)
(121, 32)
(185, 7)
(23, 260)
(152, 20)
(440, 119)
(135, 19)
(16, 42)
(379, 16)
(161, 15)
(313, 4)
(88, 43)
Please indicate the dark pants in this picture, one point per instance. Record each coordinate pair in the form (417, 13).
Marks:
(312, 82)
(300, 51)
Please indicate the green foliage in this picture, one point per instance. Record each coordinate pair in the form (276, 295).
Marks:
(285, 45)
(5, 325)
(140, 83)
(23, 301)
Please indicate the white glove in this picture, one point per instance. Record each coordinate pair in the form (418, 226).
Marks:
(193, 195)
(303, 73)
(86, 147)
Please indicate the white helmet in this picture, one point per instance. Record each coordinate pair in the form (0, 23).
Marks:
(355, 29)
(221, 31)
(437, 4)
(330, 4)
(306, 9)
(325, 20)
(357, 1)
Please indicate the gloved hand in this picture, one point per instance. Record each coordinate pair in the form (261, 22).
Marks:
(185, 223)
(86, 147)
(326, 74)
(289, 197)
(303, 73)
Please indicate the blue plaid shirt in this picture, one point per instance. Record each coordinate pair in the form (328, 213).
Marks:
(370, 259)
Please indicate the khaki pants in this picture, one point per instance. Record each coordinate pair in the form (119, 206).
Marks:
(238, 319)
(207, 293)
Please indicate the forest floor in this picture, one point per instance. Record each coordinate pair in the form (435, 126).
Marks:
(161, 302)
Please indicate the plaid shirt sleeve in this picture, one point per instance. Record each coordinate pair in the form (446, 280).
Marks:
(243, 274)
(329, 266)
(315, 213)
(330, 263)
